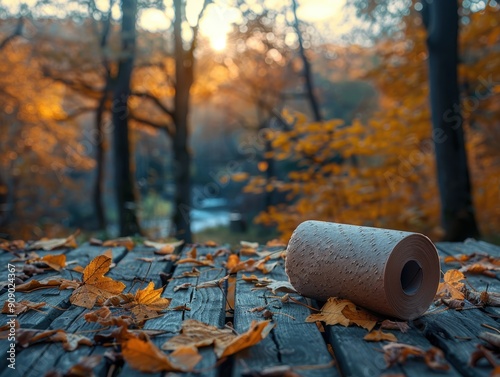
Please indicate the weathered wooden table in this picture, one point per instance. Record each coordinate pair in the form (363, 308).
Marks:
(299, 347)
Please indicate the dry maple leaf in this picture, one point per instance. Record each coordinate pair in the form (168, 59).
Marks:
(212, 283)
(12, 245)
(197, 262)
(331, 312)
(256, 332)
(21, 307)
(394, 325)
(148, 302)
(452, 285)
(32, 285)
(56, 243)
(398, 353)
(70, 341)
(379, 336)
(197, 334)
(360, 317)
(210, 243)
(56, 262)
(182, 286)
(232, 261)
(276, 243)
(144, 356)
(163, 248)
(250, 245)
(126, 242)
(104, 317)
(189, 274)
(84, 367)
(95, 285)
(481, 268)
(281, 286)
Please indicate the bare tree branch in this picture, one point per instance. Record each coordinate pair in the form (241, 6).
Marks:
(146, 121)
(156, 100)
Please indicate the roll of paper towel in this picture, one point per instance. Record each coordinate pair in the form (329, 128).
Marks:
(387, 271)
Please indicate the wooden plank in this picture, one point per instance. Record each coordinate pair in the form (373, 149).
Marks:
(207, 305)
(131, 271)
(357, 357)
(293, 342)
(455, 332)
(54, 318)
(56, 299)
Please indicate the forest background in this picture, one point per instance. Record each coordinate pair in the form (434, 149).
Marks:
(228, 118)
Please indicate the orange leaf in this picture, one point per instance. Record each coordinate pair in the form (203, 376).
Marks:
(360, 317)
(21, 307)
(452, 285)
(56, 262)
(379, 336)
(126, 242)
(95, 285)
(256, 332)
(33, 285)
(148, 302)
(232, 261)
(144, 356)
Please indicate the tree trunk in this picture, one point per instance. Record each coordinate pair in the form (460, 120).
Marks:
(457, 213)
(100, 136)
(307, 69)
(127, 220)
(184, 66)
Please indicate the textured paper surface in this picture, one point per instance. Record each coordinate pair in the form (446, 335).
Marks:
(388, 271)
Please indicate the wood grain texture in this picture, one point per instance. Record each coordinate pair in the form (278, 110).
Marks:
(207, 305)
(59, 315)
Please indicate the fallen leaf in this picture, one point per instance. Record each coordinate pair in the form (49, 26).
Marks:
(188, 357)
(148, 302)
(32, 285)
(27, 337)
(196, 262)
(256, 332)
(189, 274)
(380, 336)
(210, 243)
(56, 243)
(212, 283)
(434, 358)
(197, 334)
(23, 257)
(395, 353)
(259, 282)
(251, 245)
(12, 245)
(95, 285)
(104, 317)
(180, 308)
(281, 286)
(394, 325)
(56, 262)
(276, 243)
(360, 317)
(126, 242)
(144, 356)
(481, 268)
(232, 261)
(266, 268)
(398, 353)
(192, 253)
(70, 341)
(182, 286)
(163, 248)
(452, 285)
(84, 367)
(21, 307)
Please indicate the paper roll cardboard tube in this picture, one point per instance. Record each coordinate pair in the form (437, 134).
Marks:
(387, 271)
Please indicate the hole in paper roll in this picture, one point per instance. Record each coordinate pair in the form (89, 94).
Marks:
(411, 277)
